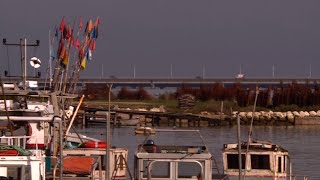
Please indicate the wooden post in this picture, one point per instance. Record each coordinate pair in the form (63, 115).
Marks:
(83, 120)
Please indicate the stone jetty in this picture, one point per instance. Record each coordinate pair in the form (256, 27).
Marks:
(270, 117)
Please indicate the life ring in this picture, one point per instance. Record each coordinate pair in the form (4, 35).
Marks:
(94, 144)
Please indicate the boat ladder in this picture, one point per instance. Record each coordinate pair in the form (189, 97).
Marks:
(120, 164)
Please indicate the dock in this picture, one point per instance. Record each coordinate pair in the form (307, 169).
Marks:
(95, 115)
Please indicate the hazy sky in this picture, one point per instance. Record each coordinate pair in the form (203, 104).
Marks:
(187, 34)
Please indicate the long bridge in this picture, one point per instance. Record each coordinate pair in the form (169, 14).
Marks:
(176, 82)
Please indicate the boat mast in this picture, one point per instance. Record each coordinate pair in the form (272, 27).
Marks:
(50, 59)
(24, 75)
(250, 131)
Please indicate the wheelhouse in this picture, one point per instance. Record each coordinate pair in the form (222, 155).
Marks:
(263, 160)
(164, 161)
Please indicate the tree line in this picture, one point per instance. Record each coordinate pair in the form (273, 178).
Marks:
(272, 96)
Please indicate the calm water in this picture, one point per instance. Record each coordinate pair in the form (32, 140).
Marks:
(302, 142)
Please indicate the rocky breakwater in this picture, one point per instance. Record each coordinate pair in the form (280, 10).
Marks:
(279, 118)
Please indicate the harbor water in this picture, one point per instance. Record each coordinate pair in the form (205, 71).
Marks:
(302, 142)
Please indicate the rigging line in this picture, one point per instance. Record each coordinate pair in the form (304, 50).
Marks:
(250, 131)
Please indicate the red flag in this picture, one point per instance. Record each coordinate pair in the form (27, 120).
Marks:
(93, 45)
(65, 32)
(77, 43)
(81, 52)
(80, 24)
(71, 40)
(69, 31)
(61, 25)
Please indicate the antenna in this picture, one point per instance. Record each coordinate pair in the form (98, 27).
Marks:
(273, 71)
(310, 71)
(134, 71)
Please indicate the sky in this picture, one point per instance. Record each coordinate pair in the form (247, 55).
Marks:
(187, 38)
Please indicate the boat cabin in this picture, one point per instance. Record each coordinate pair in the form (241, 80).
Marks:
(118, 166)
(181, 162)
(263, 160)
(16, 162)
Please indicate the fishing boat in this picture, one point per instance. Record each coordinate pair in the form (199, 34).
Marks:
(16, 162)
(95, 165)
(154, 160)
(39, 119)
(262, 160)
(256, 159)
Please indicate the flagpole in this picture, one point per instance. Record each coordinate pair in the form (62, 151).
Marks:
(67, 65)
(50, 60)
(25, 64)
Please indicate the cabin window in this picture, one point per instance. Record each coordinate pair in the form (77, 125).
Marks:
(158, 169)
(279, 164)
(188, 169)
(260, 161)
(19, 172)
(233, 161)
(284, 163)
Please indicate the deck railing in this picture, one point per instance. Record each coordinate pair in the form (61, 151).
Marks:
(20, 141)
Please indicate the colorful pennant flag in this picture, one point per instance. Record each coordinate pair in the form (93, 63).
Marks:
(93, 45)
(90, 27)
(84, 63)
(62, 25)
(65, 59)
(77, 43)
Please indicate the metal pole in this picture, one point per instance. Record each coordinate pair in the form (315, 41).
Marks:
(134, 71)
(239, 147)
(25, 63)
(108, 135)
(272, 71)
(310, 71)
(22, 58)
(60, 137)
(50, 60)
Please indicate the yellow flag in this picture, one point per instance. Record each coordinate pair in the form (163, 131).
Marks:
(65, 58)
(84, 63)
